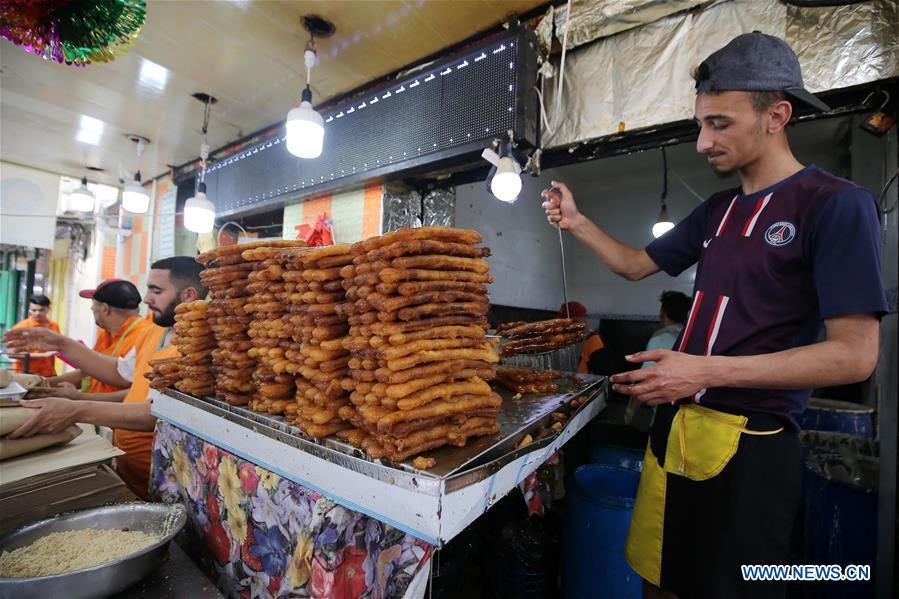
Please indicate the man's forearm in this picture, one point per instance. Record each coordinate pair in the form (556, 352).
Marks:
(73, 377)
(823, 364)
(620, 258)
(113, 397)
(91, 363)
(128, 416)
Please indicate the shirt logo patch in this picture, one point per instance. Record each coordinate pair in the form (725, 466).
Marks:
(780, 234)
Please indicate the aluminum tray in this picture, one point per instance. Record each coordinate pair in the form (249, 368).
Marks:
(517, 418)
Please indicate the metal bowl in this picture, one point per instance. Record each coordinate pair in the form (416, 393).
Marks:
(105, 579)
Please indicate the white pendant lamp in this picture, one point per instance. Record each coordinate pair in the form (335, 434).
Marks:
(306, 127)
(135, 198)
(199, 212)
(81, 198)
(506, 184)
(663, 224)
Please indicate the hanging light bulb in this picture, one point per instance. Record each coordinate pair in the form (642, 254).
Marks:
(506, 184)
(663, 223)
(199, 212)
(135, 198)
(81, 198)
(305, 126)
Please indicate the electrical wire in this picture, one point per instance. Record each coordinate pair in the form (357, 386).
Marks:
(664, 175)
(883, 194)
(562, 67)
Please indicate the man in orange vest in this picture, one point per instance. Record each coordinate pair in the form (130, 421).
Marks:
(38, 317)
(170, 282)
(115, 305)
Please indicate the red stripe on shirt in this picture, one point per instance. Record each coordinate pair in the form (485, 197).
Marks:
(690, 321)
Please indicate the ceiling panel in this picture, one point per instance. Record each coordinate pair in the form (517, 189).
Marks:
(247, 53)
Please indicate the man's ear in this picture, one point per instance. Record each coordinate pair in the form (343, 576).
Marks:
(189, 294)
(779, 114)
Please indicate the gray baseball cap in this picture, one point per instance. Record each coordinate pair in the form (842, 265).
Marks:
(755, 62)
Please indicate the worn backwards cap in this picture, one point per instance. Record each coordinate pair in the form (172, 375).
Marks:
(117, 293)
(755, 62)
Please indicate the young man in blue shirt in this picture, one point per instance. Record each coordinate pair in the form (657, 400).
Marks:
(790, 248)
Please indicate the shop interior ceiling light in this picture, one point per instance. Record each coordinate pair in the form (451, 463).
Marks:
(135, 198)
(504, 180)
(305, 126)
(74, 32)
(199, 211)
(663, 223)
(81, 198)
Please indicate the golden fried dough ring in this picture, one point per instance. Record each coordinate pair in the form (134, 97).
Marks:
(425, 246)
(441, 262)
(474, 386)
(386, 329)
(436, 310)
(451, 432)
(439, 332)
(334, 261)
(533, 327)
(531, 345)
(317, 253)
(415, 287)
(526, 375)
(448, 234)
(484, 352)
(462, 404)
(394, 352)
(322, 430)
(424, 463)
(392, 304)
(447, 368)
(402, 390)
(393, 275)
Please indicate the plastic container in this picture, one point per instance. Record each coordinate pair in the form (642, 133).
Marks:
(617, 455)
(600, 504)
(837, 416)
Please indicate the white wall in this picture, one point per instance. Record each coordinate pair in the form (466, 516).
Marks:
(620, 194)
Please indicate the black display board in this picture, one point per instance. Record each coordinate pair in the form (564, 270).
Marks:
(453, 108)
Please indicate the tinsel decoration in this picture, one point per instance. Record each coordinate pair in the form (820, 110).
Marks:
(74, 32)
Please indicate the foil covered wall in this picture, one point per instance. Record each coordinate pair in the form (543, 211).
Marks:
(641, 77)
(404, 207)
(440, 208)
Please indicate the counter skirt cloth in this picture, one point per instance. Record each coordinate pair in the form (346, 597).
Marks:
(261, 535)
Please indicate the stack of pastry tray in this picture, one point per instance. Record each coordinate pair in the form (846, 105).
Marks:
(435, 504)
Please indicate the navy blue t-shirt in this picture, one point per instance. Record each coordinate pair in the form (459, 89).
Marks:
(772, 266)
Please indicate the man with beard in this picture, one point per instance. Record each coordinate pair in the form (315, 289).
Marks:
(790, 248)
(170, 282)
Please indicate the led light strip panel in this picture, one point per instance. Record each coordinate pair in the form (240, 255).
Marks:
(452, 109)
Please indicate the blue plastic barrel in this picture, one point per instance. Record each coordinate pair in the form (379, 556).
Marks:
(600, 503)
(837, 416)
(616, 455)
(840, 527)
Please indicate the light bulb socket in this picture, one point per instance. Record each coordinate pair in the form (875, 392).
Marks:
(84, 181)
(307, 95)
(201, 188)
(137, 177)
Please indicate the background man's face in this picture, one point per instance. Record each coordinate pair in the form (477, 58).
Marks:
(162, 297)
(38, 312)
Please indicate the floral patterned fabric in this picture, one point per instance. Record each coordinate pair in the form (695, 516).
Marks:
(261, 535)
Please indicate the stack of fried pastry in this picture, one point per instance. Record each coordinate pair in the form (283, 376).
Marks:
(269, 337)
(536, 337)
(195, 342)
(527, 380)
(227, 277)
(313, 283)
(164, 372)
(417, 305)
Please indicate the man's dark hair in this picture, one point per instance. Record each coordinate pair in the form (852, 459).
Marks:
(760, 100)
(40, 300)
(676, 305)
(184, 272)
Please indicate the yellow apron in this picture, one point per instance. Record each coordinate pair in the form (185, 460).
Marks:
(700, 444)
